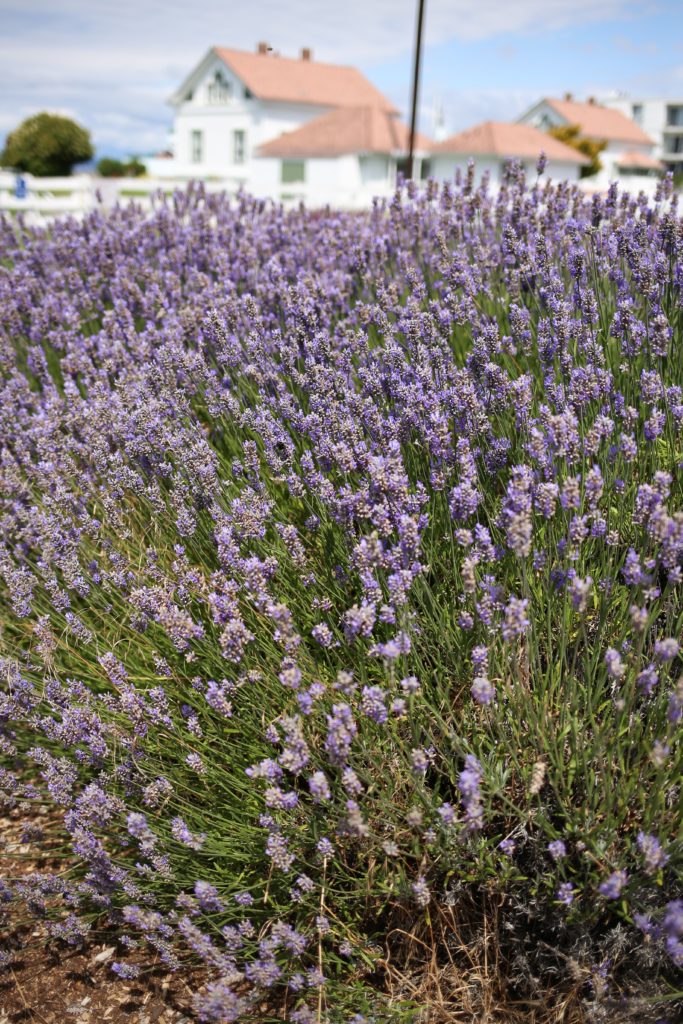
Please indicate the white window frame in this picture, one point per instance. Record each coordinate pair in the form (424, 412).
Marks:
(196, 146)
(239, 146)
(286, 168)
(219, 90)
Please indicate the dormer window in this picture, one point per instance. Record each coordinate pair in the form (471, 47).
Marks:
(220, 89)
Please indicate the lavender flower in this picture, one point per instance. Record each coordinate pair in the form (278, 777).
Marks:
(483, 691)
(612, 886)
(666, 650)
(516, 622)
(469, 782)
(613, 663)
(419, 761)
(565, 894)
(557, 849)
(319, 787)
(259, 465)
(183, 835)
(654, 856)
(421, 892)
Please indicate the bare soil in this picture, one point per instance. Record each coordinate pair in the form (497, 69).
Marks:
(51, 983)
(61, 986)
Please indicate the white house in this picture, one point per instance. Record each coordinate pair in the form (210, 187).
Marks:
(234, 102)
(630, 151)
(351, 154)
(492, 144)
(662, 119)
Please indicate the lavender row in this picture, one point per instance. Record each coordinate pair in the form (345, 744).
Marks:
(341, 569)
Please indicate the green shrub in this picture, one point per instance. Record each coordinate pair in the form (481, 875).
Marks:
(47, 145)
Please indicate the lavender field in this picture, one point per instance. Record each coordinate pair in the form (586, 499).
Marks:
(341, 575)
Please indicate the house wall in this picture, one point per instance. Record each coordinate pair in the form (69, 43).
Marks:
(349, 181)
(376, 170)
(610, 157)
(261, 122)
(558, 170)
(652, 116)
(217, 121)
(444, 166)
(543, 116)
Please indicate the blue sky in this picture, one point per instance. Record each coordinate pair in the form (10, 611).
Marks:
(637, 49)
(113, 63)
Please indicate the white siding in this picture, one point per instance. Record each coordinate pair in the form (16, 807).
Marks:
(654, 120)
(260, 120)
(375, 170)
(542, 115)
(444, 166)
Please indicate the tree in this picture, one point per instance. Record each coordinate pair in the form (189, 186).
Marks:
(110, 167)
(47, 144)
(135, 168)
(570, 134)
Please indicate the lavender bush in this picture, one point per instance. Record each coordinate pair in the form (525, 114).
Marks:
(341, 571)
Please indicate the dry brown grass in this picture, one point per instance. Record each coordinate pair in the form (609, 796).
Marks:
(464, 967)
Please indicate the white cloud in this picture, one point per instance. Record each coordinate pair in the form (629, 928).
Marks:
(109, 57)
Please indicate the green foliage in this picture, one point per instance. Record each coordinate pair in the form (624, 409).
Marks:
(135, 168)
(111, 167)
(47, 145)
(570, 135)
(567, 750)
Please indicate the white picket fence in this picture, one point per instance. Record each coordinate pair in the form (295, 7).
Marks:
(47, 198)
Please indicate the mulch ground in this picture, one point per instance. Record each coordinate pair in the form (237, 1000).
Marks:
(49, 983)
(58, 987)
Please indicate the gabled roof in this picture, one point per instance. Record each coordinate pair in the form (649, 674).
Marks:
(640, 161)
(366, 129)
(292, 80)
(498, 138)
(600, 122)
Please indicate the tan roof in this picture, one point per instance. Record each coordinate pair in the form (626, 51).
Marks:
(640, 161)
(600, 122)
(302, 81)
(356, 130)
(499, 138)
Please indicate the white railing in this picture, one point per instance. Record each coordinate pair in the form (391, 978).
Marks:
(47, 198)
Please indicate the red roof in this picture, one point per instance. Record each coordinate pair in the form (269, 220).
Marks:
(640, 162)
(303, 81)
(498, 138)
(357, 130)
(600, 122)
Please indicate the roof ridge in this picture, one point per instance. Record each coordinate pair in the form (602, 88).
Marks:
(366, 128)
(295, 80)
(507, 139)
(294, 60)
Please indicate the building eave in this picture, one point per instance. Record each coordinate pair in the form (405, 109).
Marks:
(177, 98)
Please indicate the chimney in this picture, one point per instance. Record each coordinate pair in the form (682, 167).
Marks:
(262, 48)
(568, 97)
(306, 53)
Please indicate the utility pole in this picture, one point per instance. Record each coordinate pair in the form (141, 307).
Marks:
(416, 84)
